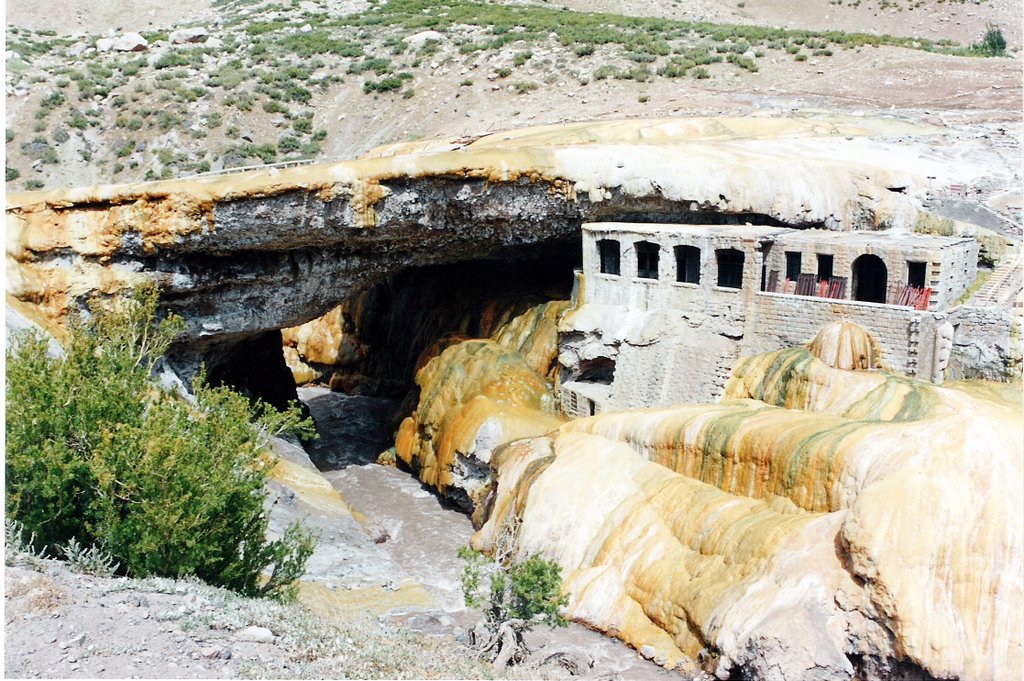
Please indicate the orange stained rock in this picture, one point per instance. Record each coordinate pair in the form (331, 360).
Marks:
(302, 373)
(325, 340)
(650, 556)
(896, 498)
(845, 345)
(474, 395)
(478, 394)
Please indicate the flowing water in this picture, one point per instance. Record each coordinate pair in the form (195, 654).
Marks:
(422, 536)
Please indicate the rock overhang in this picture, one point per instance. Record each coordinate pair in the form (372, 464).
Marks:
(433, 202)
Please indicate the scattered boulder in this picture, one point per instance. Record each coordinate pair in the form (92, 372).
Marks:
(74, 641)
(104, 44)
(306, 28)
(255, 635)
(129, 42)
(214, 42)
(417, 40)
(189, 35)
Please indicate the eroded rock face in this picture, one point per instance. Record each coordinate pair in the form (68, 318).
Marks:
(479, 394)
(818, 523)
(227, 252)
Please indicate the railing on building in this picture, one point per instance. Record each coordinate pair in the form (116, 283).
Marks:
(244, 169)
(902, 295)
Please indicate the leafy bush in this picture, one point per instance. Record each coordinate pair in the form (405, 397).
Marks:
(519, 596)
(90, 561)
(529, 590)
(520, 58)
(992, 44)
(98, 454)
(389, 84)
(12, 173)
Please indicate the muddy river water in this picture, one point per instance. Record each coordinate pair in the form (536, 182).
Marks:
(421, 535)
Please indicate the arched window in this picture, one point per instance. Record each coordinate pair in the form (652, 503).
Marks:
(647, 260)
(730, 267)
(870, 279)
(688, 264)
(608, 251)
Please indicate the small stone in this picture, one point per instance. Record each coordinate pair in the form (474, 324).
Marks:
(306, 28)
(255, 635)
(76, 641)
(215, 653)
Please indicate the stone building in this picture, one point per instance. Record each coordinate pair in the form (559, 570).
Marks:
(664, 311)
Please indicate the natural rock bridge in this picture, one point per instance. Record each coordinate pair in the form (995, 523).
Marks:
(242, 254)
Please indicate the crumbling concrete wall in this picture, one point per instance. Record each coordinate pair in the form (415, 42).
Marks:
(987, 344)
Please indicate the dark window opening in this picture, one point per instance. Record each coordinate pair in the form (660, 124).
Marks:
(593, 407)
(824, 267)
(730, 267)
(916, 273)
(608, 249)
(647, 260)
(793, 265)
(597, 370)
(688, 264)
(870, 279)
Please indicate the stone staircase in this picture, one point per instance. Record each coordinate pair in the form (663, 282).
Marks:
(1003, 287)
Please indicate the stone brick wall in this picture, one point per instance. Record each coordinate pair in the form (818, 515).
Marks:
(906, 336)
(677, 342)
(951, 263)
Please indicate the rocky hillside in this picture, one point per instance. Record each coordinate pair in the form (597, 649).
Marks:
(166, 94)
(62, 623)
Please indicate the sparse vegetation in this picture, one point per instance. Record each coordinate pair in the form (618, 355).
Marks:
(98, 455)
(992, 44)
(519, 596)
(272, 65)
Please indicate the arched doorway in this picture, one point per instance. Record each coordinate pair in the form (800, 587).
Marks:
(870, 279)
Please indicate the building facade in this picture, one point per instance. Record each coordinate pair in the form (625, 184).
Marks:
(664, 311)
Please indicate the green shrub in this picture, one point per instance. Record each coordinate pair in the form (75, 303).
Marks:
(170, 59)
(287, 143)
(319, 42)
(98, 454)
(265, 152)
(12, 173)
(743, 62)
(992, 44)
(529, 590)
(520, 58)
(389, 84)
(378, 65)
